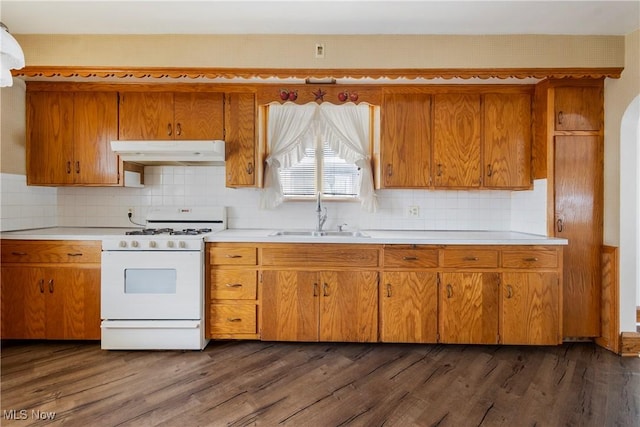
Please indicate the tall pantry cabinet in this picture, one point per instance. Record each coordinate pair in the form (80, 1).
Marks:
(568, 151)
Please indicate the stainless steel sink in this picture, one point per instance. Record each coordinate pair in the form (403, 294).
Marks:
(312, 233)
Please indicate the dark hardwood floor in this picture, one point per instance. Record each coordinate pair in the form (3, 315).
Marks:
(319, 384)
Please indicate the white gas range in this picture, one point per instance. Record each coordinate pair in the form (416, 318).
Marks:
(152, 291)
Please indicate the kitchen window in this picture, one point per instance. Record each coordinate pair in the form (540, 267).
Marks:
(321, 169)
(319, 147)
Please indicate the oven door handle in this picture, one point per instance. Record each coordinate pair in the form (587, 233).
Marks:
(150, 324)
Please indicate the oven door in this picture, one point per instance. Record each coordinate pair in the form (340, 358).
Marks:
(152, 285)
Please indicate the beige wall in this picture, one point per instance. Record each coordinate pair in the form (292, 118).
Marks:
(285, 51)
(12, 128)
(618, 94)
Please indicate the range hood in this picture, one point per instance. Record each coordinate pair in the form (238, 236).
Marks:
(180, 153)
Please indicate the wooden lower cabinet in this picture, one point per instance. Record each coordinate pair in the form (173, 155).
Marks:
(51, 302)
(231, 292)
(319, 306)
(468, 308)
(530, 308)
(409, 307)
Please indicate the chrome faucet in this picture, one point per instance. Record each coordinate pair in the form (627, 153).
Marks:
(322, 213)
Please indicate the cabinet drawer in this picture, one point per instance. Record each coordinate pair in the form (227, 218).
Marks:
(233, 319)
(410, 258)
(320, 256)
(470, 258)
(233, 284)
(51, 251)
(233, 255)
(530, 259)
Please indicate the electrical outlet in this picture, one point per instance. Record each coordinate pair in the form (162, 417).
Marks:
(319, 50)
(413, 211)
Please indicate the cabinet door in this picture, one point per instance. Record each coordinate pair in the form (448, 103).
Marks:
(349, 306)
(406, 140)
(578, 108)
(49, 138)
(409, 307)
(469, 308)
(146, 115)
(289, 306)
(579, 218)
(240, 139)
(198, 115)
(23, 302)
(73, 303)
(95, 126)
(530, 309)
(507, 140)
(456, 140)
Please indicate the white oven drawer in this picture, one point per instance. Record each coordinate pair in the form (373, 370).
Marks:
(152, 285)
(153, 335)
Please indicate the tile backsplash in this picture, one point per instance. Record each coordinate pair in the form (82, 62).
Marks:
(178, 186)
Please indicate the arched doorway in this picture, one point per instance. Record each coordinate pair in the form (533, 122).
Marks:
(630, 215)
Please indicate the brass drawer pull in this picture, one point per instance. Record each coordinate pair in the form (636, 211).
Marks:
(388, 290)
(471, 258)
(19, 253)
(532, 259)
(560, 117)
(233, 285)
(178, 129)
(410, 258)
(234, 319)
(315, 289)
(325, 290)
(41, 285)
(233, 256)
(509, 291)
(75, 254)
(51, 286)
(77, 167)
(169, 129)
(449, 291)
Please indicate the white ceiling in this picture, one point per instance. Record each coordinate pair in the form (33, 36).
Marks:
(320, 17)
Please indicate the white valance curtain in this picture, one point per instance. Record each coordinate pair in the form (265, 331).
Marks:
(293, 128)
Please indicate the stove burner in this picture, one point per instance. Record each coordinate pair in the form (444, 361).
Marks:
(170, 231)
(149, 232)
(190, 232)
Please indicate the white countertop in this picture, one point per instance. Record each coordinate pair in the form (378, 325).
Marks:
(64, 233)
(435, 237)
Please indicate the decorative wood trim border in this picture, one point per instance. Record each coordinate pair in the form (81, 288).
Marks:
(303, 73)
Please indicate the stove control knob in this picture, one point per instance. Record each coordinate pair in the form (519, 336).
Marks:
(122, 244)
(134, 244)
(152, 244)
(182, 244)
(170, 244)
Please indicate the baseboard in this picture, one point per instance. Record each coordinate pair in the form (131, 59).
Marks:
(630, 344)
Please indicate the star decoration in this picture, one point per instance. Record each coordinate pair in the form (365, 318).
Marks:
(319, 94)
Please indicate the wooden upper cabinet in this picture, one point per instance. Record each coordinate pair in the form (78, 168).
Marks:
(171, 116)
(507, 140)
(456, 140)
(199, 115)
(240, 140)
(405, 156)
(578, 108)
(68, 138)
